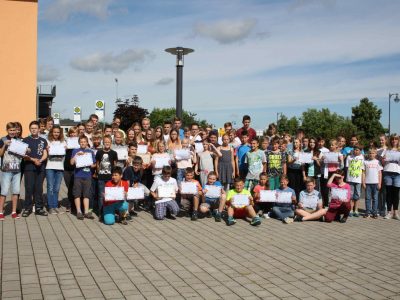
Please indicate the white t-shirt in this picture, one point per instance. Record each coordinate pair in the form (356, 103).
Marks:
(372, 169)
(55, 162)
(390, 166)
(355, 165)
(158, 181)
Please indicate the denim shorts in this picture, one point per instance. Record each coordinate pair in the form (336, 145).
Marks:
(391, 179)
(10, 179)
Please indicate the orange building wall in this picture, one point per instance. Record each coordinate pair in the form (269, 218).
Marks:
(18, 62)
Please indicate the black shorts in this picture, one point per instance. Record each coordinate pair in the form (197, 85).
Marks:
(82, 187)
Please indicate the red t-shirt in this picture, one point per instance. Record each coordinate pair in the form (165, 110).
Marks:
(252, 133)
(123, 183)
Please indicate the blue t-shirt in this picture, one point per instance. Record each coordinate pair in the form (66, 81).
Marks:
(181, 134)
(287, 190)
(84, 172)
(37, 147)
(241, 155)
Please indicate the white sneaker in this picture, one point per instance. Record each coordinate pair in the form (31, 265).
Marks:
(267, 216)
(388, 216)
(287, 220)
(396, 217)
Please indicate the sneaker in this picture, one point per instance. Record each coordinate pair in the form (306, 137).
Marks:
(287, 220)
(396, 217)
(133, 213)
(52, 211)
(218, 217)
(68, 209)
(61, 210)
(231, 221)
(194, 216)
(350, 214)
(267, 216)
(26, 213)
(129, 217)
(343, 220)
(356, 214)
(1, 217)
(41, 212)
(367, 216)
(375, 216)
(388, 216)
(209, 214)
(89, 215)
(14, 215)
(298, 219)
(79, 216)
(255, 221)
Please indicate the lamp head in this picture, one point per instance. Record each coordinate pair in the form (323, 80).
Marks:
(396, 99)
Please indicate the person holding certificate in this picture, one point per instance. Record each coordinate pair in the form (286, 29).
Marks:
(191, 192)
(340, 198)
(120, 148)
(310, 203)
(262, 207)
(286, 199)
(160, 159)
(164, 191)
(34, 172)
(84, 160)
(214, 197)
(110, 206)
(313, 169)
(185, 161)
(11, 171)
(205, 161)
(240, 204)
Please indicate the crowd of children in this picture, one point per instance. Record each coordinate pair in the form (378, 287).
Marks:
(172, 171)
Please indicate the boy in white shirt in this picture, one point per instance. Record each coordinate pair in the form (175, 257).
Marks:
(372, 181)
(355, 166)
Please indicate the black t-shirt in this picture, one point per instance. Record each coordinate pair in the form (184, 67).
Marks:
(106, 161)
(38, 146)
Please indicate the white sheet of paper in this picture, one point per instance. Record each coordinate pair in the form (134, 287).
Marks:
(161, 162)
(392, 155)
(18, 147)
(267, 196)
(84, 160)
(56, 149)
(310, 201)
(166, 191)
(142, 149)
(122, 153)
(305, 157)
(339, 194)
(146, 158)
(240, 200)
(284, 197)
(213, 191)
(182, 154)
(135, 193)
(199, 147)
(73, 143)
(188, 188)
(331, 157)
(114, 193)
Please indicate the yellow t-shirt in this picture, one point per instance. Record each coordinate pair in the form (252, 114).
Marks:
(232, 193)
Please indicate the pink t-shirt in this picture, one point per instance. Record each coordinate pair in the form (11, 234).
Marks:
(258, 188)
(346, 186)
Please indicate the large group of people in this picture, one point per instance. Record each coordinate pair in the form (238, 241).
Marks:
(175, 171)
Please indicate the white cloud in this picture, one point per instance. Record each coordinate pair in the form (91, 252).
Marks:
(108, 62)
(226, 31)
(165, 81)
(61, 10)
(47, 73)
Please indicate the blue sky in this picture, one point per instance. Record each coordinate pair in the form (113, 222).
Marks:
(255, 57)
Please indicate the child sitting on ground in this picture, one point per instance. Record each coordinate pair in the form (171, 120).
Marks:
(310, 203)
(190, 201)
(340, 198)
(212, 203)
(240, 210)
(109, 207)
(284, 211)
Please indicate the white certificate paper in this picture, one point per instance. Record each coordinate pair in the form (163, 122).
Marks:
(73, 143)
(84, 160)
(135, 193)
(240, 200)
(305, 157)
(199, 147)
(213, 191)
(310, 201)
(56, 149)
(182, 154)
(166, 191)
(122, 153)
(267, 196)
(284, 197)
(392, 155)
(18, 147)
(146, 158)
(114, 193)
(339, 194)
(331, 157)
(188, 188)
(161, 162)
(141, 149)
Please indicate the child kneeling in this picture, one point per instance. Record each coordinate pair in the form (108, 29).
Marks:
(240, 210)
(310, 203)
(110, 207)
(214, 197)
(340, 198)
(190, 199)
(165, 203)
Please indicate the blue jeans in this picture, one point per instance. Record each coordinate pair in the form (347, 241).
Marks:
(282, 212)
(109, 211)
(53, 178)
(100, 189)
(371, 195)
(180, 175)
(355, 190)
(10, 180)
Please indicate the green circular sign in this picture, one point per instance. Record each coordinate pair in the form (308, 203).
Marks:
(77, 110)
(99, 104)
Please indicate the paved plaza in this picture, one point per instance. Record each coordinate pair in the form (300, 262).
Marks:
(60, 257)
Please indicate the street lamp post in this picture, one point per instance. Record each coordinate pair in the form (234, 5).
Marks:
(397, 100)
(179, 52)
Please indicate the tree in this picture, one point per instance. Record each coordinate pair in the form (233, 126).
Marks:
(326, 124)
(130, 112)
(159, 115)
(366, 117)
(288, 125)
